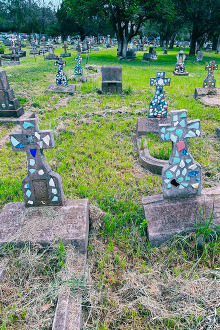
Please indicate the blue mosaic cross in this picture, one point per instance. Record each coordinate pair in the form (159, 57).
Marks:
(41, 186)
(78, 69)
(61, 78)
(210, 80)
(182, 176)
(158, 106)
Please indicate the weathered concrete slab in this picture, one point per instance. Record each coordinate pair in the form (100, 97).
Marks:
(218, 131)
(154, 165)
(44, 224)
(202, 92)
(211, 98)
(10, 63)
(27, 115)
(146, 125)
(70, 89)
(167, 217)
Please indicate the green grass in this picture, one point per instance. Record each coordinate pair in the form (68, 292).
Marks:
(133, 286)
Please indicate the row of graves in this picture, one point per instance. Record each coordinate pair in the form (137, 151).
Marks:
(46, 214)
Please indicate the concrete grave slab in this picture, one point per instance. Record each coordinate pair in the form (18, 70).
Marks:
(27, 115)
(209, 97)
(167, 217)
(10, 63)
(111, 79)
(146, 125)
(69, 222)
(70, 89)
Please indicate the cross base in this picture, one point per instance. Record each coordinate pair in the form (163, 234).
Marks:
(184, 73)
(169, 217)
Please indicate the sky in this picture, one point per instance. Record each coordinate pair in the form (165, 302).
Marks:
(56, 3)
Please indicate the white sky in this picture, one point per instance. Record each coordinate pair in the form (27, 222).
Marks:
(56, 3)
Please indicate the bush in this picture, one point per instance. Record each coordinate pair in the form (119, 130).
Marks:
(2, 50)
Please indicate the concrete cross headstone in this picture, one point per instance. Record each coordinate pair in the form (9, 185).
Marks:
(158, 106)
(51, 55)
(180, 66)
(210, 80)
(78, 69)
(182, 176)
(61, 77)
(41, 186)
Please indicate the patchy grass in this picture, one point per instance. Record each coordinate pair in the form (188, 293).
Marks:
(132, 286)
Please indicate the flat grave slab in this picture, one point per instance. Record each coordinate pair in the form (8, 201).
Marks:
(10, 63)
(69, 222)
(70, 89)
(146, 125)
(211, 99)
(167, 217)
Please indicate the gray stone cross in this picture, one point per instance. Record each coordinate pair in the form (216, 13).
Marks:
(41, 186)
(182, 176)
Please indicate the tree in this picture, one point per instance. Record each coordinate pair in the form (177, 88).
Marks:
(124, 16)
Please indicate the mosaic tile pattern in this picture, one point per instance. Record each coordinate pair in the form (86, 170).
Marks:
(210, 80)
(180, 66)
(78, 69)
(41, 186)
(61, 78)
(182, 176)
(158, 106)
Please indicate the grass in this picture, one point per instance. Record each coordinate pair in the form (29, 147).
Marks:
(131, 285)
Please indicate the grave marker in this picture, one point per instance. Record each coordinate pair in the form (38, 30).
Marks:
(41, 186)
(182, 176)
(9, 105)
(180, 66)
(158, 106)
(78, 69)
(51, 55)
(111, 79)
(65, 47)
(199, 56)
(209, 81)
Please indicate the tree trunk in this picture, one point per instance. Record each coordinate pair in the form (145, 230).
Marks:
(193, 40)
(172, 41)
(124, 48)
(214, 42)
(218, 45)
(120, 46)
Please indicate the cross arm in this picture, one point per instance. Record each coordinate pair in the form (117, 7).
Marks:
(167, 81)
(153, 81)
(193, 129)
(45, 139)
(166, 133)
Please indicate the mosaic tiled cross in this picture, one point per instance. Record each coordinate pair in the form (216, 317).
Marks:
(182, 176)
(78, 69)
(61, 78)
(210, 80)
(41, 186)
(158, 106)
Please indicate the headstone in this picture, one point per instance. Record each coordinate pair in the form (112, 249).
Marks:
(61, 80)
(9, 105)
(158, 106)
(78, 69)
(51, 55)
(130, 54)
(199, 56)
(65, 46)
(85, 47)
(183, 204)
(34, 50)
(111, 79)
(165, 51)
(154, 55)
(146, 57)
(209, 81)
(78, 48)
(180, 66)
(182, 176)
(41, 186)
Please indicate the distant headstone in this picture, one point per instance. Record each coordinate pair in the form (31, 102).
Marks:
(153, 53)
(65, 46)
(146, 57)
(182, 176)
(111, 79)
(41, 186)
(34, 50)
(158, 106)
(78, 69)
(209, 81)
(199, 56)
(165, 51)
(130, 54)
(9, 105)
(85, 47)
(51, 55)
(78, 48)
(180, 66)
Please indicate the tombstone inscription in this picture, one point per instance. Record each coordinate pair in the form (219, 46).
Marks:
(9, 105)
(158, 106)
(181, 177)
(41, 186)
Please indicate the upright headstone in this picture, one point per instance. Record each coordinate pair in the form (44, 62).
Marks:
(146, 57)
(65, 46)
(85, 47)
(34, 50)
(158, 106)
(209, 81)
(182, 176)
(154, 55)
(78, 69)
(61, 80)
(111, 79)
(9, 105)
(180, 66)
(41, 186)
(199, 56)
(130, 54)
(51, 55)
